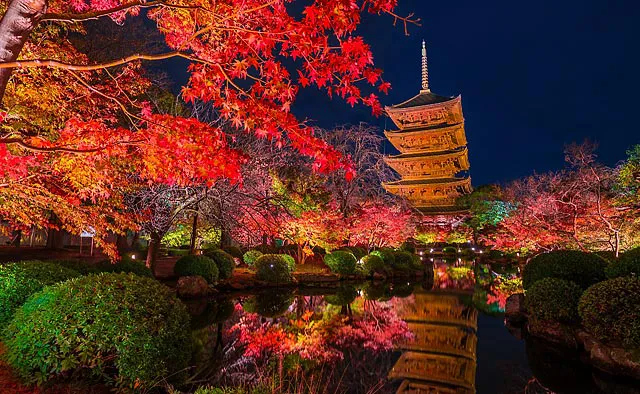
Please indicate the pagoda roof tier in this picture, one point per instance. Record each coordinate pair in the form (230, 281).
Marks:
(424, 140)
(433, 194)
(428, 115)
(430, 165)
(425, 97)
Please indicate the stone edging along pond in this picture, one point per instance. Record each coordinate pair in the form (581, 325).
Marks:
(604, 357)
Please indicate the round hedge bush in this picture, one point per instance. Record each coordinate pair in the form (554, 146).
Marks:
(372, 264)
(81, 267)
(273, 268)
(386, 255)
(610, 310)
(582, 268)
(251, 256)
(125, 329)
(341, 262)
(197, 265)
(291, 262)
(554, 299)
(126, 266)
(627, 265)
(19, 280)
(234, 251)
(403, 261)
(224, 261)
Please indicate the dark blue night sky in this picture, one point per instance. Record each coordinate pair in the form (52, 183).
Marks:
(534, 76)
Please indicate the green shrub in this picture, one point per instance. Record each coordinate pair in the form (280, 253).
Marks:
(273, 268)
(608, 255)
(610, 310)
(408, 247)
(627, 265)
(554, 299)
(345, 295)
(82, 267)
(449, 250)
(197, 265)
(251, 256)
(234, 251)
(403, 261)
(358, 252)
(223, 260)
(386, 255)
(123, 328)
(374, 264)
(341, 262)
(582, 268)
(291, 262)
(21, 279)
(126, 266)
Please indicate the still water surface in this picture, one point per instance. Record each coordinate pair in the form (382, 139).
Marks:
(443, 334)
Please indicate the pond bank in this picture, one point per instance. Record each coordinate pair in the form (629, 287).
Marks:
(613, 360)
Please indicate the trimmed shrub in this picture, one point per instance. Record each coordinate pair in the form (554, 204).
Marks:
(341, 262)
(251, 256)
(408, 247)
(357, 251)
(21, 279)
(608, 255)
(554, 299)
(449, 250)
(197, 265)
(386, 255)
(81, 267)
(610, 310)
(291, 262)
(273, 268)
(582, 268)
(126, 329)
(627, 265)
(126, 266)
(403, 261)
(234, 251)
(224, 261)
(372, 264)
(345, 295)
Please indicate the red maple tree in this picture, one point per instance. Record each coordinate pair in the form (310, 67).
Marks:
(74, 164)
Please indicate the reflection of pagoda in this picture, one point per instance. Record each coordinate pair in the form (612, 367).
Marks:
(442, 357)
(433, 161)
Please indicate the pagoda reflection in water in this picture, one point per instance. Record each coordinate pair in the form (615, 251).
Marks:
(442, 356)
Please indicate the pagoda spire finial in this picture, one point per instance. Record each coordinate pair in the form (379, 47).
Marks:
(425, 69)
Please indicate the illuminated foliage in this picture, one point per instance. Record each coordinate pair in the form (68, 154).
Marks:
(74, 129)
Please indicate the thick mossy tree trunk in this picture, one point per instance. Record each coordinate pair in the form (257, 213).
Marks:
(152, 251)
(16, 25)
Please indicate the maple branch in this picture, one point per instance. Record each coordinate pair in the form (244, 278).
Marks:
(405, 20)
(93, 67)
(22, 143)
(74, 18)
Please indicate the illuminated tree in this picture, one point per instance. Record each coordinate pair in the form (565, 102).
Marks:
(378, 225)
(73, 127)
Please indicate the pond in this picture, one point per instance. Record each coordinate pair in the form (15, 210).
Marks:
(444, 334)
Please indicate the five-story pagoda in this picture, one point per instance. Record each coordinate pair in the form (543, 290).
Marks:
(433, 162)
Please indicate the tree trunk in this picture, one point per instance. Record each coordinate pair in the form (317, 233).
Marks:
(122, 244)
(194, 235)
(16, 26)
(16, 238)
(152, 251)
